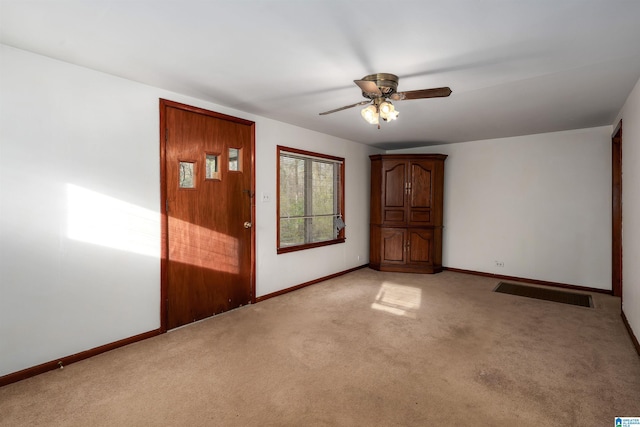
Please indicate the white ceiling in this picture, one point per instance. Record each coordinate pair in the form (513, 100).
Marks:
(516, 67)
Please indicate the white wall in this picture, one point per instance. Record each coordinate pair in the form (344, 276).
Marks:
(79, 208)
(282, 271)
(630, 116)
(539, 203)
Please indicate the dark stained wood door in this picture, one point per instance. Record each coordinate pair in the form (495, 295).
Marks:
(394, 185)
(420, 192)
(406, 246)
(208, 199)
(408, 192)
(420, 246)
(616, 180)
(394, 245)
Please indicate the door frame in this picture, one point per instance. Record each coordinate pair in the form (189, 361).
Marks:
(164, 221)
(616, 211)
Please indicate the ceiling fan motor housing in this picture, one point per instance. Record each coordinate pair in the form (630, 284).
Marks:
(387, 83)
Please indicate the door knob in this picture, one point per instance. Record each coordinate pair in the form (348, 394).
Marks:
(247, 224)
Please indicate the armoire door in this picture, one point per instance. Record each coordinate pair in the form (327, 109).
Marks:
(393, 245)
(420, 246)
(420, 192)
(394, 194)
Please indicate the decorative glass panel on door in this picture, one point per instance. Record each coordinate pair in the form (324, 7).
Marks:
(235, 159)
(187, 178)
(212, 162)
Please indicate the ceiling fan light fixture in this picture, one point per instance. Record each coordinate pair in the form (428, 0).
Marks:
(388, 111)
(370, 114)
(379, 89)
(392, 116)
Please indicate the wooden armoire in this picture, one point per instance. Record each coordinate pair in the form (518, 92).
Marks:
(406, 212)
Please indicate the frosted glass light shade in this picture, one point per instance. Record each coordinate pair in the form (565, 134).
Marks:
(388, 111)
(370, 114)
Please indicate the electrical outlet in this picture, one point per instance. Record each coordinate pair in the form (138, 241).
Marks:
(266, 197)
(499, 263)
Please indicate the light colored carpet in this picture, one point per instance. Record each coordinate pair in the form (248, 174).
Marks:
(364, 349)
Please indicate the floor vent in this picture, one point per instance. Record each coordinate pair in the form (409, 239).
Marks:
(583, 300)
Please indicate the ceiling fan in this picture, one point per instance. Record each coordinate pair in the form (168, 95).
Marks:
(379, 89)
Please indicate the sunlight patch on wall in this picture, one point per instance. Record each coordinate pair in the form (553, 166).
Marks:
(397, 299)
(202, 247)
(105, 221)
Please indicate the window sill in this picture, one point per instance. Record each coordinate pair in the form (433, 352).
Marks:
(296, 248)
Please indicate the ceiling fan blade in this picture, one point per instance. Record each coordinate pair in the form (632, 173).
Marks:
(438, 92)
(345, 107)
(369, 88)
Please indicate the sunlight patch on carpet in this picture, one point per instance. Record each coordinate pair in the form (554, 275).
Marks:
(400, 300)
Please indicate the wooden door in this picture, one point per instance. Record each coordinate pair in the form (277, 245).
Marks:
(420, 192)
(394, 186)
(393, 245)
(420, 246)
(616, 180)
(207, 160)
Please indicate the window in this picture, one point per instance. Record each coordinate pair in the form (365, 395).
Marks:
(235, 159)
(187, 172)
(211, 161)
(310, 200)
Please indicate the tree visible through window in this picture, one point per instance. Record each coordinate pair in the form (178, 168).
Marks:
(310, 201)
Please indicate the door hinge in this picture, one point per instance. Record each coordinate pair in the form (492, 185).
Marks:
(166, 205)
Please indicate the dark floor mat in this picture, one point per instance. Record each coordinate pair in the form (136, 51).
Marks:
(564, 297)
